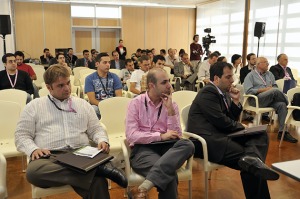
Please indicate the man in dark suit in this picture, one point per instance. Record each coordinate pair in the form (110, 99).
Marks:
(116, 63)
(251, 59)
(281, 70)
(213, 115)
(86, 60)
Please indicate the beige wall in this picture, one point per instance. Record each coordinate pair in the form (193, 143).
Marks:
(40, 25)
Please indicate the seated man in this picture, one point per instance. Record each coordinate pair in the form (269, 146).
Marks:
(61, 60)
(102, 84)
(117, 63)
(46, 57)
(154, 117)
(251, 59)
(213, 115)
(71, 58)
(185, 71)
(11, 77)
(261, 82)
(203, 71)
(136, 77)
(281, 70)
(86, 61)
(58, 123)
(126, 72)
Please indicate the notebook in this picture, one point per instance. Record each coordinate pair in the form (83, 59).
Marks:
(165, 141)
(81, 163)
(249, 131)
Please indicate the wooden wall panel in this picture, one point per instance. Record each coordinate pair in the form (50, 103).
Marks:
(156, 28)
(192, 27)
(29, 28)
(57, 26)
(82, 22)
(108, 22)
(133, 28)
(178, 28)
(83, 40)
(107, 41)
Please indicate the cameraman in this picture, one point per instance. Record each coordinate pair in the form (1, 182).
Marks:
(196, 51)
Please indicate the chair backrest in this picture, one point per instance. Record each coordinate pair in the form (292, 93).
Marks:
(295, 73)
(183, 98)
(9, 117)
(77, 75)
(113, 112)
(43, 92)
(2, 176)
(167, 69)
(14, 95)
(242, 92)
(184, 116)
(115, 71)
(86, 71)
(39, 71)
(291, 92)
(280, 84)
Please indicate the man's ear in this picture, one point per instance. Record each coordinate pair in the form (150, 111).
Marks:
(49, 87)
(216, 79)
(151, 85)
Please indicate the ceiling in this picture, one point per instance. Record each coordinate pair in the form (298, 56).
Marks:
(158, 3)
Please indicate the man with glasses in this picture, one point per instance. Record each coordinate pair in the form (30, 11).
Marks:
(12, 78)
(59, 123)
(185, 71)
(261, 82)
(102, 84)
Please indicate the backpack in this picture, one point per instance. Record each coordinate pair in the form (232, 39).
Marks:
(296, 102)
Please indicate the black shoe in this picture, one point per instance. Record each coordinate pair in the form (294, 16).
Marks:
(255, 166)
(287, 137)
(249, 119)
(265, 118)
(112, 173)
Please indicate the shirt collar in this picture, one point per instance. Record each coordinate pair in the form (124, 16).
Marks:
(57, 100)
(150, 102)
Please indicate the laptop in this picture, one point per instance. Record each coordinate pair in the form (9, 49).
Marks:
(249, 131)
(81, 164)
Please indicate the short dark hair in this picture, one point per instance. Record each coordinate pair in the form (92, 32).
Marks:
(128, 61)
(4, 57)
(46, 49)
(100, 55)
(217, 52)
(163, 51)
(93, 50)
(138, 50)
(120, 40)
(70, 49)
(144, 58)
(195, 36)
(249, 56)
(85, 51)
(158, 57)
(217, 69)
(112, 53)
(19, 53)
(278, 57)
(212, 55)
(143, 51)
(60, 53)
(220, 58)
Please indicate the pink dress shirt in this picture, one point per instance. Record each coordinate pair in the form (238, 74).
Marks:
(142, 123)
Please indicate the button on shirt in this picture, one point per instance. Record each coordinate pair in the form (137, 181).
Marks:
(142, 125)
(42, 125)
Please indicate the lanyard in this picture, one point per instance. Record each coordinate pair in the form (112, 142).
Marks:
(69, 103)
(223, 96)
(265, 83)
(12, 84)
(104, 88)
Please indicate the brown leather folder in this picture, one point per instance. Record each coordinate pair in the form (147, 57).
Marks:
(81, 163)
(249, 131)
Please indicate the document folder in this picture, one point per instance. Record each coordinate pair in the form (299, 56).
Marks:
(249, 131)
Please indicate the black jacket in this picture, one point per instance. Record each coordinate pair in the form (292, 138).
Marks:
(278, 72)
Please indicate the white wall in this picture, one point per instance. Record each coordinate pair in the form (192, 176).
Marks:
(5, 9)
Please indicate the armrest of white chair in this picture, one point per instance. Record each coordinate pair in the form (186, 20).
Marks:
(200, 139)
(246, 97)
(290, 111)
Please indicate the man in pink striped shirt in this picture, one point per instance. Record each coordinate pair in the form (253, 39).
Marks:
(153, 117)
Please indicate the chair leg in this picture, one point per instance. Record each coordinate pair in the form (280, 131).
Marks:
(109, 184)
(206, 185)
(282, 135)
(190, 189)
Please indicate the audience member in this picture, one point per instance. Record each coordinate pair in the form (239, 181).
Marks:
(71, 57)
(12, 78)
(58, 123)
(261, 82)
(236, 61)
(185, 71)
(181, 53)
(61, 60)
(219, 101)
(203, 72)
(86, 61)
(196, 51)
(135, 56)
(45, 58)
(281, 70)
(121, 50)
(222, 59)
(154, 117)
(171, 59)
(136, 76)
(94, 55)
(153, 52)
(117, 63)
(251, 59)
(126, 72)
(163, 52)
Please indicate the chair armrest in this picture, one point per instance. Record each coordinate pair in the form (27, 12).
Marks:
(126, 157)
(200, 139)
(246, 97)
(289, 113)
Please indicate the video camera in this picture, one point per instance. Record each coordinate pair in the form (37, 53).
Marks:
(207, 40)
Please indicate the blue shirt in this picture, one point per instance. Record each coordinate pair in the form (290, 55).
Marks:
(102, 87)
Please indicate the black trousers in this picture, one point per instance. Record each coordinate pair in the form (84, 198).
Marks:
(253, 145)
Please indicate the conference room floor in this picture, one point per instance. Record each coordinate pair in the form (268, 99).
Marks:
(225, 183)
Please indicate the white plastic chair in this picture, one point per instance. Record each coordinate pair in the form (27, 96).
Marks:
(291, 92)
(39, 76)
(116, 71)
(167, 69)
(207, 165)
(3, 188)
(256, 109)
(129, 93)
(173, 80)
(280, 84)
(134, 179)
(43, 92)
(77, 75)
(14, 95)
(183, 98)
(38, 192)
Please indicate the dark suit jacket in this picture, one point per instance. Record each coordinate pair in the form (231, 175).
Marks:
(80, 62)
(278, 72)
(113, 64)
(209, 118)
(122, 56)
(243, 73)
(179, 71)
